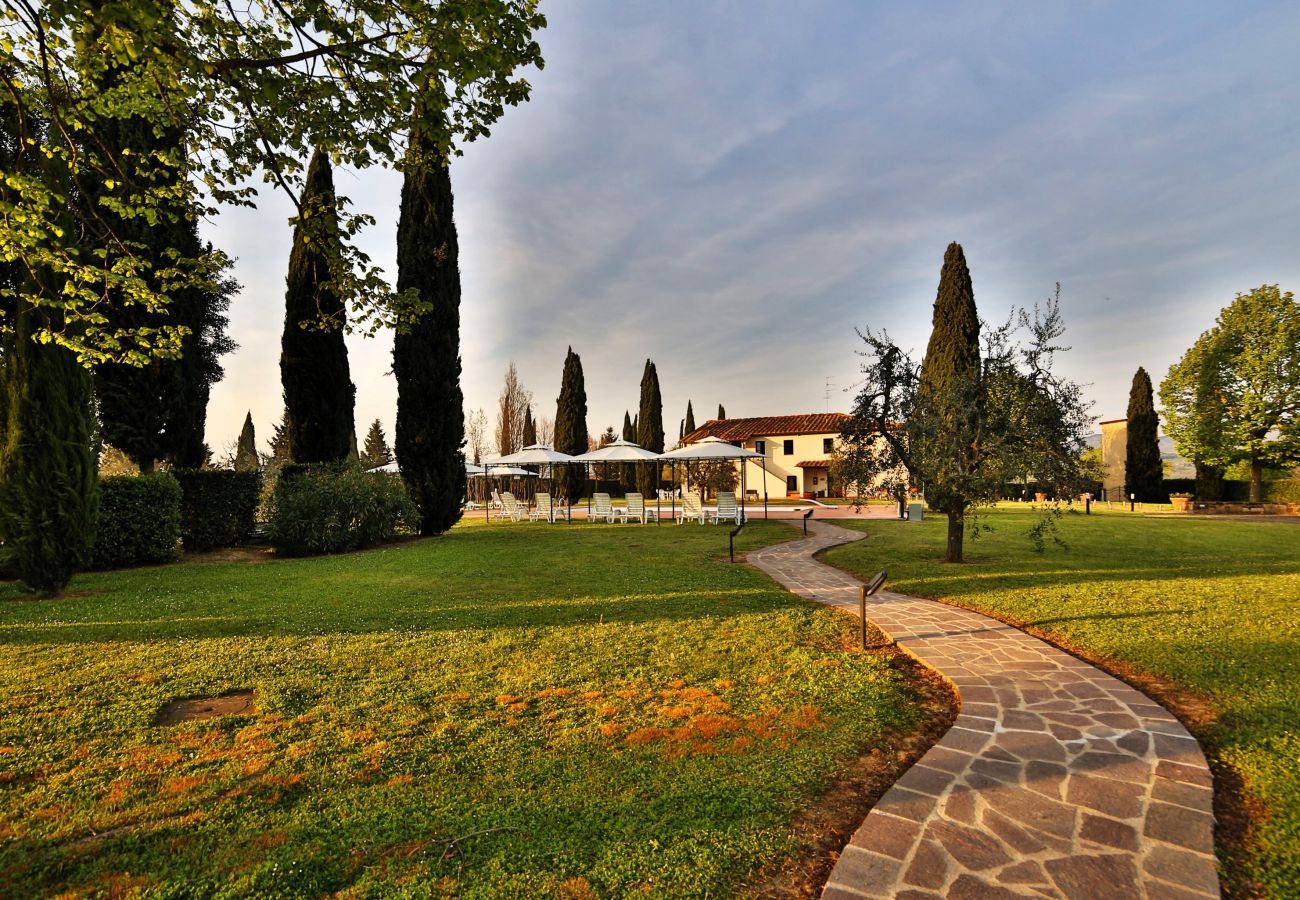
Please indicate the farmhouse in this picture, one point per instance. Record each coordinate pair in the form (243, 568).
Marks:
(798, 451)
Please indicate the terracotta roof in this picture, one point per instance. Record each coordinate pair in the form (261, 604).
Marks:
(740, 430)
(814, 464)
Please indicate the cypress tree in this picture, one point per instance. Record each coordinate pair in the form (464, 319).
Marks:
(430, 431)
(246, 449)
(650, 427)
(722, 413)
(1143, 471)
(571, 423)
(318, 393)
(530, 428)
(159, 410)
(376, 452)
(49, 485)
(629, 469)
(944, 429)
(688, 424)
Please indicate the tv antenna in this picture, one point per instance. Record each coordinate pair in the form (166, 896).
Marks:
(828, 393)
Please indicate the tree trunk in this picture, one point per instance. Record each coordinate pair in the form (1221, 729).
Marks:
(1256, 481)
(146, 466)
(956, 535)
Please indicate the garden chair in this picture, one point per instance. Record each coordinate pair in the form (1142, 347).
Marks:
(604, 508)
(727, 510)
(636, 509)
(543, 510)
(512, 507)
(692, 508)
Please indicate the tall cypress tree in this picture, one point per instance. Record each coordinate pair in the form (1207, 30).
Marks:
(430, 434)
(571, 423)
(1143, 471)
(319, 397)
(722, 413)
(49, 484)
(688, 424)
(158, 410)
(246, 449)
(650, 427)
(629, 469)
(944, 429)
(530, 428)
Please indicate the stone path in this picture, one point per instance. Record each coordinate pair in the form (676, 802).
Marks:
(1056, 780)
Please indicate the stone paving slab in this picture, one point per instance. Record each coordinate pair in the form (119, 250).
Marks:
(1055, 780)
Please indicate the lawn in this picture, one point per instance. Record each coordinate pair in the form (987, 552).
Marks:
(523, 710)
(1209, 606)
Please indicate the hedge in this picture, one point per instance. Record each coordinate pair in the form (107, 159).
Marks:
(1284, 490)
(139, 521)
(218, 507)
(333, 507)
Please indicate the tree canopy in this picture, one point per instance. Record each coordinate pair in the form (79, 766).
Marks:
(1235, 394)
(969, 426)
(249, 89)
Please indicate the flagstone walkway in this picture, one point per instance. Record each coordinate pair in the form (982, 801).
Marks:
(1056, 780)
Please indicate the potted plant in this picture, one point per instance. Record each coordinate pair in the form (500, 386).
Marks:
(1181, 502)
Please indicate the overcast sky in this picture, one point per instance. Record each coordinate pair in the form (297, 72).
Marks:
(730, 188)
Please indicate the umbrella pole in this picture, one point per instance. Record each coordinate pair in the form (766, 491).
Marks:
(672, 487)
(586, 474)
(742, 491)
(764, 485)
(659, 495)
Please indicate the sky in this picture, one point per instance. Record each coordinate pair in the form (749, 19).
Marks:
(732, 188)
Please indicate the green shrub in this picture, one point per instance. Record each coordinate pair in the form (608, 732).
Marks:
(218, 507)
(1285, 490)
(330, 508)
(139, 521)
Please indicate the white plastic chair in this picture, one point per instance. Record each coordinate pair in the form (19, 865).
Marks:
(543, 510)
(604, 508)
(727, 511)
(636, 509)
(692, 508)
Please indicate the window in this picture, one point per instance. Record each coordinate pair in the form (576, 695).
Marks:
(789, 448)
(791, 483)
(760, 447)
(828, 445)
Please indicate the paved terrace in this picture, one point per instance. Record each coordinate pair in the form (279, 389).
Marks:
(1056, 780)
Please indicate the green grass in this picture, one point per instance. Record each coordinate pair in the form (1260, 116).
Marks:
(508, 711)
(1209, 605)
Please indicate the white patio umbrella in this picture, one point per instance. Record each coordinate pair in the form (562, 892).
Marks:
(492, 468)
(538, 455)
(620, 451)
(712, 448)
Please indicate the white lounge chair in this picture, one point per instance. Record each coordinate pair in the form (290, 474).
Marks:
(636, 510)
(512, 508)
(603, 508)
(692, 508)
(727, 510)
(543, 510)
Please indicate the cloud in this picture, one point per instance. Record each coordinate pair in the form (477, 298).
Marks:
(732, 188)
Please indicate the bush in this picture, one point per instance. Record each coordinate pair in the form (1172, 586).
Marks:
(139, 521)
(1285, 490)
(218, 507)
(330, 508)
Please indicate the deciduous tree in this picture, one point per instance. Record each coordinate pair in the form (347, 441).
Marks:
(1235, 395)
(253, 88)
(971, 415)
